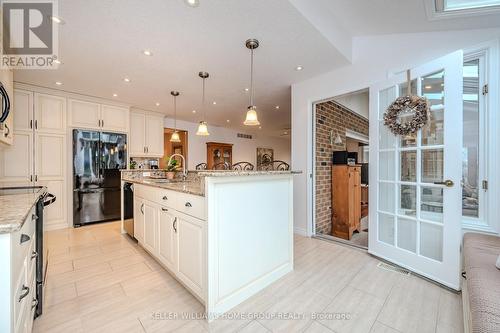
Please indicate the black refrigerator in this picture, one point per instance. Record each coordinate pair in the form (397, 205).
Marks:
(97, 160)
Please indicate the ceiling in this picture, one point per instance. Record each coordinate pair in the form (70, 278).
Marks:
(102, 42)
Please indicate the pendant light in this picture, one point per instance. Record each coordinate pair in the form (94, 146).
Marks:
(175, 136)
(202, 127)
(251, 118)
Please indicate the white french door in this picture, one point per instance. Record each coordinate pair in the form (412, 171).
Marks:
(415, 191)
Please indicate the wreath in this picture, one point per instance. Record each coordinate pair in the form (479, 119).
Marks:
(409, 104)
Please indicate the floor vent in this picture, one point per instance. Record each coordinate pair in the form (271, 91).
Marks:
(392, 268)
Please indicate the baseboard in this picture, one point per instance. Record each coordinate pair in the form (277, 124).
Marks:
(300, 231)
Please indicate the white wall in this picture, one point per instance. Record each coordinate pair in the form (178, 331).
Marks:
(357, 102)
(374, 58)
(243, 149)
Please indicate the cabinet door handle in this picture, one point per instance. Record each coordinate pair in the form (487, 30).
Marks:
(31, 123)
(25, 293)
(31, 178)
(36, 178)
(34, 217)
(36, 124)
(174, 225)
(165, 197)
(34, 255)
(188, 204)
(24, 238)
(34, 303)
(164, 209)
(102, 123)
(142, 209)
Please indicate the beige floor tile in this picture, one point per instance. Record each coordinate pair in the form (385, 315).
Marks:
(352, 310)
(412, 306)
(316, 327)
(374, 280)
(381, 328)
(450, 312)
(60, 294)
(254, 327)
(73, 326)
(106, 256)
(57, 280)
(63, 267)
(191, 327)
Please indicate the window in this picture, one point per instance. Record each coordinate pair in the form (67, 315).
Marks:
(450, 5)
(474, 143)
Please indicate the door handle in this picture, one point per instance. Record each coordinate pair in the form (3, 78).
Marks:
(25, 293)
(142, 209)
(174, 225)
(447, 183)
(36, 124)
(164, 209)
(102, 123)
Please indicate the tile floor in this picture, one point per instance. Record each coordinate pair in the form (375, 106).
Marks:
(100, 281)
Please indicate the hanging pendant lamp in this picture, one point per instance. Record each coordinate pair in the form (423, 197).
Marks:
(202, 127)
(175, 136)
(251, 118)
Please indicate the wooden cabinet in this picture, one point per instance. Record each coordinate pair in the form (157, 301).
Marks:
(346, 200)
(146, 134)
(218, 153)
(90, 115)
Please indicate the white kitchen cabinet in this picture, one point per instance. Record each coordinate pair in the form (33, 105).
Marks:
(50, 113)
(137, 134)
(167, 239)
(49, 156)
(146, 134)
(114, 118)
(191, 252)
(83, 114)
(17, 160)
(139, 219)
(97, 116)
(23, 109)
(150, 226)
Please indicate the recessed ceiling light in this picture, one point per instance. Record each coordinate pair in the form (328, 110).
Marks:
(192, 3)
(115, 95)
(299, 68)
(428, 87)
(147, 53)
(214, 102)
(285, 133)
(157, 103)
(56, 61)
(126, 80)
(246, 89)
(277, 107)
(58, 20)
(228, 121)
(59, 83)
(260, 127)
(194, 111)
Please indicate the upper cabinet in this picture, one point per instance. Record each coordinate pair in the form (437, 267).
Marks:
(23, 108)
(50, 113)
(146, 134)
(83, 114)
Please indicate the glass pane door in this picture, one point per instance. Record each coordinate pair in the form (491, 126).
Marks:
(417, 195)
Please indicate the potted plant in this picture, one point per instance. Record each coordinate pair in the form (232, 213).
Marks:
(171, 167)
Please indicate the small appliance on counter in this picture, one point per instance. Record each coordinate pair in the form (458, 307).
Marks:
(344, 157)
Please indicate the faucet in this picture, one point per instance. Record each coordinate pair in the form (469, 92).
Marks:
(184, 167)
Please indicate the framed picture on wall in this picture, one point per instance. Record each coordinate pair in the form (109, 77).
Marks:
(264, 156)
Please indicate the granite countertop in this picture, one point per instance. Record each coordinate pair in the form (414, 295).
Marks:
(189, 187)
(227, 173)
(14, 208)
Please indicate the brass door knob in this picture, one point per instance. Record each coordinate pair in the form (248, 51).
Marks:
(447, 183)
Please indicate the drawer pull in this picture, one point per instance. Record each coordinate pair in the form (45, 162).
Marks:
(24, 238)
(34, 303)
(34, 217)
(25, 293)
(165, 197)
(164, 209)
(188, 204)
(174, 224)
(142, 209)
(34, 255)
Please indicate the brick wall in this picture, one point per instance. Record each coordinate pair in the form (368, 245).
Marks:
(331, 116)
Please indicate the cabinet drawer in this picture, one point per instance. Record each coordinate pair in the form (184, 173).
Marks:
(191, 205)
(146, 192)
(166, 198)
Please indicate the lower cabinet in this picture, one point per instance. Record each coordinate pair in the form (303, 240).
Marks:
(167, 239)
(139, 219)
(175, 239)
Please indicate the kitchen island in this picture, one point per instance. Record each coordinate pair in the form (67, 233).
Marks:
(225, 235)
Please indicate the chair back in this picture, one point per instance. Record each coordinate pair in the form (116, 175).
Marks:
(243, 166)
